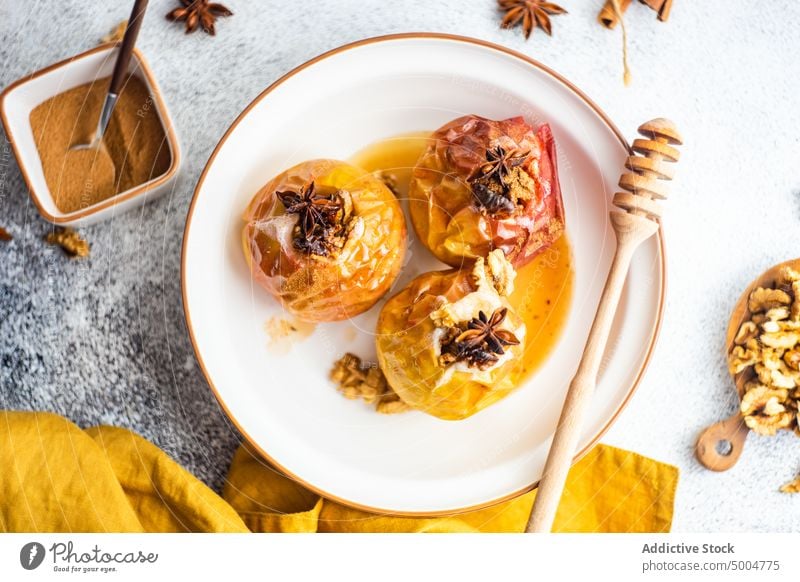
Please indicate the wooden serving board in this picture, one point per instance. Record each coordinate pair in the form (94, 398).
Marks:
(711, 449)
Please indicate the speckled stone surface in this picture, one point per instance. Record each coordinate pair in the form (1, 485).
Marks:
(104, 340)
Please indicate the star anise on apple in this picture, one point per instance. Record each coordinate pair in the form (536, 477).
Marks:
(529, 13)
(200, 13)
(489, 181)
(321, 218)
(480, 342)
(500, 161)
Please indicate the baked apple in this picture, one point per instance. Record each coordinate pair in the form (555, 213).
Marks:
(450, 344)
(325, 238)
(482, 185)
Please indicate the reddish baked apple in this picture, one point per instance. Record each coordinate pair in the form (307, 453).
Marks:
(482, 185)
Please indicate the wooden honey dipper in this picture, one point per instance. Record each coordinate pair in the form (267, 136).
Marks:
(635, 223)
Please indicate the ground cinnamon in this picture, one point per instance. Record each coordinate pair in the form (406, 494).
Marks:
(135, 145)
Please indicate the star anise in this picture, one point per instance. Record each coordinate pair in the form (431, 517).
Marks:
(489, 181)
(315, 209)
(320, 218)
(486, 330)
(529, 13)
(500, 161)
(480, 342)
(199, 12)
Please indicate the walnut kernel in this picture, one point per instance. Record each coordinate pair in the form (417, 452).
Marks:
(70, 241)
(765, 299)
(364, 380)
(763, 409)
(792, 486)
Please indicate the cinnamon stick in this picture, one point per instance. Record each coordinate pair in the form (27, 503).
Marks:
(662, 7)
(608, 16)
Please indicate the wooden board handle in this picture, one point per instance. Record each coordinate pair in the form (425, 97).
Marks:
(712, 448)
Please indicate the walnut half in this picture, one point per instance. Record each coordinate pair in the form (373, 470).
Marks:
(356, 379)
(764, 409)
(747, 331)
(765, 299)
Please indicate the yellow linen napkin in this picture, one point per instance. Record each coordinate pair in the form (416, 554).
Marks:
(59, 478)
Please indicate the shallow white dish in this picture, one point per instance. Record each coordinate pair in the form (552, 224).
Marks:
(284, 403)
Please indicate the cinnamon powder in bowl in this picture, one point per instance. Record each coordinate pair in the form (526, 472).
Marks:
(135, 143)
(141, 141)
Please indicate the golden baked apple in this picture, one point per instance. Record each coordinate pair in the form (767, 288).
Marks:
(449, 344)
(325, 238)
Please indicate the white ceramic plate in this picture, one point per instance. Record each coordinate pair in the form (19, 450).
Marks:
(284, 403)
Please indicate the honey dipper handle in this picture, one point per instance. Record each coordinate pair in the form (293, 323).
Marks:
(631, 230)
(731, 432)
(638, 222)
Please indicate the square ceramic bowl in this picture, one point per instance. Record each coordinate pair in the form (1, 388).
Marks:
(21, 97)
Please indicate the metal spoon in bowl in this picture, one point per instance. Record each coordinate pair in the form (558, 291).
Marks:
(118, 76)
